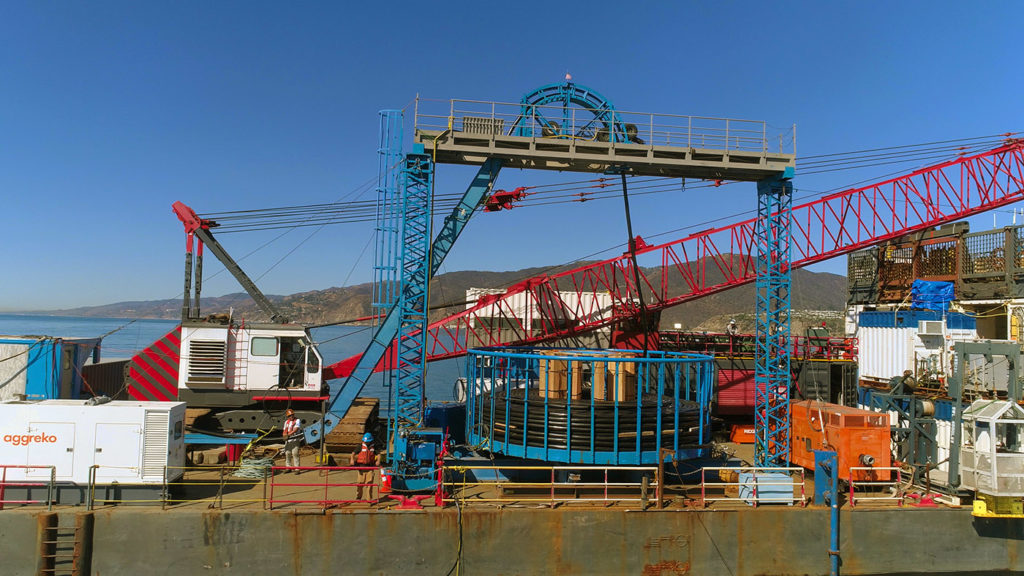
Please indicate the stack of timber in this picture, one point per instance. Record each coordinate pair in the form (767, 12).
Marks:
(361, 418)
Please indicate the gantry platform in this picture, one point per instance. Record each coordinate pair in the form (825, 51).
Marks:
(577, 139)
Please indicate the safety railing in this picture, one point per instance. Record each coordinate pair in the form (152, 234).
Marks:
(316, 485)
(27, 483)
(488, 118)
(724, 344)
(222, 486)
(550, 485)
(760, 486)
(115, 486)
(871, 490)
(215, 486)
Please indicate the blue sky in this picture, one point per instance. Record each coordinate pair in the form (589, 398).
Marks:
(111, 111)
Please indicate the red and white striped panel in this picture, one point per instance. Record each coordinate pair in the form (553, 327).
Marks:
(153, 372)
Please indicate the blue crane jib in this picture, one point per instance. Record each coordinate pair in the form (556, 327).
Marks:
(342, 394)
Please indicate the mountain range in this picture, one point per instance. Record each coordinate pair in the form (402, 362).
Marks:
(818, 291)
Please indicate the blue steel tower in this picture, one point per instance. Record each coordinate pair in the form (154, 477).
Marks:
(416, 178)
(773, 236)
(389, 216)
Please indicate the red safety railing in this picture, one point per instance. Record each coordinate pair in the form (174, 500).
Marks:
(5, 483)
(303, 484)
(749, 490)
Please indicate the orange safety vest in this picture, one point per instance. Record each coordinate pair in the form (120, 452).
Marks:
(291, 426)
(366, 456)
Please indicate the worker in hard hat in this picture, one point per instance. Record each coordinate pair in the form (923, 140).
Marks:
(366, 457)
(731, 328)
(292, 433)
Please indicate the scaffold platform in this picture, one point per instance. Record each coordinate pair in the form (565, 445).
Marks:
(600, 140)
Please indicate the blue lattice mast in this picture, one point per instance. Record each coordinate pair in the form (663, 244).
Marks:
(773, 236)
(389, 213)
(416, 178)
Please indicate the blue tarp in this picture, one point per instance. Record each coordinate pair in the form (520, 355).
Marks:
(931, 295)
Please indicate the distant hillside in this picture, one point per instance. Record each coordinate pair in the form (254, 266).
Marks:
(811, 291)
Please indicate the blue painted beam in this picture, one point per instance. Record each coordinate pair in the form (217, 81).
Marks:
(342, 395)
(200, 438)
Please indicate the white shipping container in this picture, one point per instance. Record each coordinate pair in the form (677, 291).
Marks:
(887, 352)
(128, 442)
(13, 371)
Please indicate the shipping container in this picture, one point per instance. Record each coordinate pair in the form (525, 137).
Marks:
(107, 378)
(44, 367)
(522, 314)
(734, 394)
(891, 342)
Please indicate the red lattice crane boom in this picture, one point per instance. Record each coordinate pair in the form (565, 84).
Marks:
(703, 263)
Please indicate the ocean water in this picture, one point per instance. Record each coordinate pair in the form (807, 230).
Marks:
(122, 338)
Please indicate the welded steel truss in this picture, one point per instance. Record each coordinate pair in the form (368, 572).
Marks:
(773, 238)
(707, 262)
(389, 215)
(417, 174)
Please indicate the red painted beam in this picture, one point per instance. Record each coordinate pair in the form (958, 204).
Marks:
(721, 258)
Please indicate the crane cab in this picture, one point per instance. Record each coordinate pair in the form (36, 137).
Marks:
(240, 358)
(244, 375)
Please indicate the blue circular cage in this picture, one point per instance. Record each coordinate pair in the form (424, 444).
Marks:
(602, 407)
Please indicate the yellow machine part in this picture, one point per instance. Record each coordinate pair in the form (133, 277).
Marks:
(987, 506)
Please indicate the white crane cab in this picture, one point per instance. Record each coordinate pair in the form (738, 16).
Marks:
(247, 374)
(248, 357)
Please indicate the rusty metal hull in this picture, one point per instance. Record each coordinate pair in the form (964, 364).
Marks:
(767, 540)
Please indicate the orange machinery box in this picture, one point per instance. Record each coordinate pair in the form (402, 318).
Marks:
(742, 434)
(860, 438)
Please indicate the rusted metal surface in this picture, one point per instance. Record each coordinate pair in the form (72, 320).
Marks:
(662, 553)
(46, 535)
(769, 540)
(984, 265)
(728, 538)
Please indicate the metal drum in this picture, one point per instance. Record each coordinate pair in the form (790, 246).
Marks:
(600, 407)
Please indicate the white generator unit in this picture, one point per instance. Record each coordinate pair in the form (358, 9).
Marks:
(124, 443)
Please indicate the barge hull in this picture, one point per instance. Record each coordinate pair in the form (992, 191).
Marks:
(767, 540)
